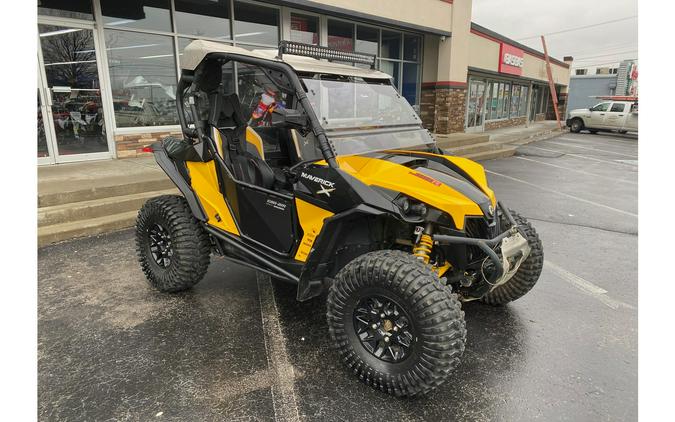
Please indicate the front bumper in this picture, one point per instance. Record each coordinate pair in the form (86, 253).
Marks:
(513, 245)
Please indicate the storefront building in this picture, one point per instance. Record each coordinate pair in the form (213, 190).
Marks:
(108, 69)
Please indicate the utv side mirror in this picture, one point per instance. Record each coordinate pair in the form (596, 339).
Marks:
(287, 117)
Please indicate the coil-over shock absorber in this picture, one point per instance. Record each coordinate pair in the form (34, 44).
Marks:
(424, 243)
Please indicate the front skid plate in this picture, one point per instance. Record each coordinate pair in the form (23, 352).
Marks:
(515, 251)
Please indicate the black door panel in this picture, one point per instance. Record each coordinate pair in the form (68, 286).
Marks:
(266, 218)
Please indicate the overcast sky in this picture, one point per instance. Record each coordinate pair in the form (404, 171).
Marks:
(590, 47)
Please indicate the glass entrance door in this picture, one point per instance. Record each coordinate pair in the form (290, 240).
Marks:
(475, 109)
(70, 108)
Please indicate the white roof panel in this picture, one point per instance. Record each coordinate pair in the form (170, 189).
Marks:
(195, 52)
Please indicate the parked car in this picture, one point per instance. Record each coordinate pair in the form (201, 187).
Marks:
(618, 114)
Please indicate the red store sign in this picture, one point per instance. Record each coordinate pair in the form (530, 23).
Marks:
(510, 59)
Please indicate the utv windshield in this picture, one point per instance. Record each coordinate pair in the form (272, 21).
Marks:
(362, 116)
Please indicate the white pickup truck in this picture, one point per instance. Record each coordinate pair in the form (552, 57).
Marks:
(620, 114)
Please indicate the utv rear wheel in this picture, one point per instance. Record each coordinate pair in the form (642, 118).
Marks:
(173, 248)
(394, 324)
(528, 273)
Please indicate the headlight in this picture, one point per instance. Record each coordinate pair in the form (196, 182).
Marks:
(411, 207)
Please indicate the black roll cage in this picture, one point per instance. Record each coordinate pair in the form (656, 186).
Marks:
(187, 79)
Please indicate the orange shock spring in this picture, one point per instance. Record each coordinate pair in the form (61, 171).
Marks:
(422, 249)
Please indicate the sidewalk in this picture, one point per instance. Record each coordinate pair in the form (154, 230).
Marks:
(95, 197)
(496, 143)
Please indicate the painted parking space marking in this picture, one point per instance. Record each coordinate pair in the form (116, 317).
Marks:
(578, 171)
(283, 385)
(605, 142)
(567, 195)
(589, 148)
(586, 286)
(571, 154)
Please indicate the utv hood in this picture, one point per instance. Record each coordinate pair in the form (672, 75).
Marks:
(455, 185)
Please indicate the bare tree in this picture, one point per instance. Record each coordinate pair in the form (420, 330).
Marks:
(70, 58)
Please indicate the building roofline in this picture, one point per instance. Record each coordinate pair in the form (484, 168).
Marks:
(343, 13)
(500, 38)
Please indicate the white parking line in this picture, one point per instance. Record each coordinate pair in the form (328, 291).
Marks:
(628, 149)
(588, 148)
(586, 286)
(283, 385)
(613, 179)
(567, 195)
(571, 154)
(613, 141)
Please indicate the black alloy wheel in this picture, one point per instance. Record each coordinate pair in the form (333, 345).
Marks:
(394, 324)
(384, 328)
(159, 242)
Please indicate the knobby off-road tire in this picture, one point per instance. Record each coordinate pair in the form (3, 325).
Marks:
(186, 244)
(436, 326)
(528, 273)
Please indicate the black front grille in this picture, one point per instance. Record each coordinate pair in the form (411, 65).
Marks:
(477, 228)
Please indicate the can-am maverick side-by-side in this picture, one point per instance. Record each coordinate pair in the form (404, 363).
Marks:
(321, 174)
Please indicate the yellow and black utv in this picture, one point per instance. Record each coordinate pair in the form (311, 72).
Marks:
(321, 174)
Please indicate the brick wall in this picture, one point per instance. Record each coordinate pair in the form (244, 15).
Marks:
(539, 117)
(428, 107)
(450, 110)
(497, 124)
(130, 145)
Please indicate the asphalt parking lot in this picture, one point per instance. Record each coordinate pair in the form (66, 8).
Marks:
(238, 347)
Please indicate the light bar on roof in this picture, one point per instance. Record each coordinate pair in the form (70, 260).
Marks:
(319, 52)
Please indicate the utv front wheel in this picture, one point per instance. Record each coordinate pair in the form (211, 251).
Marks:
(528, 273)
(173, 248)
(394, 324)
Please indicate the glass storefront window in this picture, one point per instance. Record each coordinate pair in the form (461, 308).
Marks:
(367, 39)
(523, 101)
(492, 105)
(256, 24)
(500, 102)
(391, 68)
(142, 14)
(507, 101)
(391, 45)
(515, 101)
(340, 35)
(203, 18)
(411, 47)
(304, 28)
(142, 78)
(75, 9)
(410, 78)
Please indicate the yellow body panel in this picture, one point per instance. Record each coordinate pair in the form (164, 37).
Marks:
(311, 219)
(253, 138)
(472, 168)
(373, 171)
(205, 185)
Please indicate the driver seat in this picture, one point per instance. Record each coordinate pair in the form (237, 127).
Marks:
(245, 160)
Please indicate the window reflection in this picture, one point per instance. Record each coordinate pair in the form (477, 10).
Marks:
(256, 24)
(391, 45)
(204, 18)
(73, 85)
(141, 14)
(142, 78)
(340, 35)
(304, 29)
(74, 9)
(367, 39)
